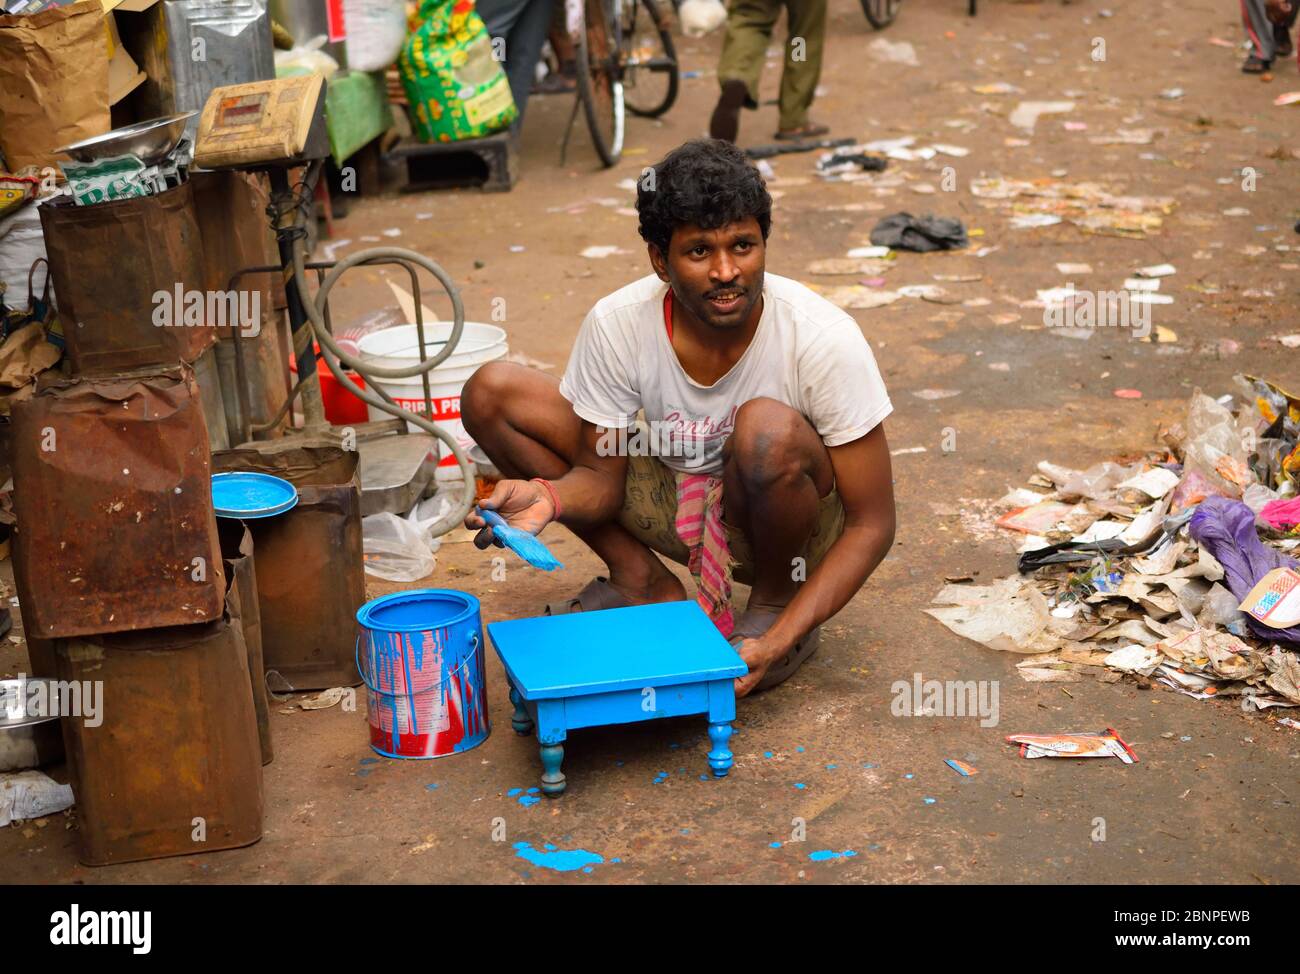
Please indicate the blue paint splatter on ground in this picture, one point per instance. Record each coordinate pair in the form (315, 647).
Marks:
(431, 786)
(686, 831)
(870, 764)
(549, 847)
(514, 791)
(929, 801)
(561, 860)
(704, 777)
(527, 800)
(534, 790)
(368, 761)
(909, 777)
(831, 767)
(776, 845)
(616, 859)
(767, 754)
(363, 772)
(799, 749)
(825, 854)
(800, 785)
(661, 777)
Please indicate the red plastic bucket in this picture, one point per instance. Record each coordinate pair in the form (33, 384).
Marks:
(420, 656)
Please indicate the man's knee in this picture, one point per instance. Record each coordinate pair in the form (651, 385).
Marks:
(771, 442)
(487, 394)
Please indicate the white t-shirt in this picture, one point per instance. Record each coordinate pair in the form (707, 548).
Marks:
(806, 353)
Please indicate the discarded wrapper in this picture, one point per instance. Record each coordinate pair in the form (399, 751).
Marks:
(961, 767)
(1103, 744)
(1275, 599)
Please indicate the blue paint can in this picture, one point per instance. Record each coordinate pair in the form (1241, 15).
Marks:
(420, 656)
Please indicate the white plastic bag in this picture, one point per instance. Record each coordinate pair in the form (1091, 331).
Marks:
(400, 549)
(306, 57)
(376, 30)
(700, 17)
(31, 794)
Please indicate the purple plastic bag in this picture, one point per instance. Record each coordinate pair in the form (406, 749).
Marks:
(1226, 528)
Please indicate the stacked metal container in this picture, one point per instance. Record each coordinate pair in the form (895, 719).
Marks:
(120, 566)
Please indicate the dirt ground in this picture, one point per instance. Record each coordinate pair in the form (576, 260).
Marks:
(1215, 801)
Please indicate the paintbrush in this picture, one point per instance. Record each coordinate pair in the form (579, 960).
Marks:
(525, 545)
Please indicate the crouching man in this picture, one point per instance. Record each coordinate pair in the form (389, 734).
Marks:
(728, 419)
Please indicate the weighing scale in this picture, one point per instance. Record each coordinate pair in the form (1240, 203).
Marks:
(274, 127)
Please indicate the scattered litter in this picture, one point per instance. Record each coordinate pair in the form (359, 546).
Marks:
(599, 252)
(936, 393)
(849, 265)
(1025, 221)
(961, 767)
(1172, 94)
(856, 297)
(902, 231)
(1026, 114)
(868, 252)
(907, 449)
(1066, 268)
(891, 52)
(324, 700)
(1103, 744)
(1156, 270)
(31, 794)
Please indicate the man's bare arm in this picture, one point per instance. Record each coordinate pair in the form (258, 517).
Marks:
(864, 479)
(590, 493)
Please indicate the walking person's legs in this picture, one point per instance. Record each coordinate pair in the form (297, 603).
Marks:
(1260, 32)
(523, 25)
(803, 67)
(749, 30)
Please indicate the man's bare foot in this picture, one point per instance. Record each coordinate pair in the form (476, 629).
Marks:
(647, 590)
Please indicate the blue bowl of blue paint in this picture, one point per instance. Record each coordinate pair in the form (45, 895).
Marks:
(251, 495)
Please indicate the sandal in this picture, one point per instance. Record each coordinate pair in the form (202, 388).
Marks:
(808, 130)
(595, 595)
(752, 624)
(1255, 65)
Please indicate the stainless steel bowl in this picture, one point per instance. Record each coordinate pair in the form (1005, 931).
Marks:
(27, 740)
(150, 140)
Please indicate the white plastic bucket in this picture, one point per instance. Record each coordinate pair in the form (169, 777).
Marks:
(398, 347)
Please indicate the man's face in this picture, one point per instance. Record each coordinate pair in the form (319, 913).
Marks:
(717, 274)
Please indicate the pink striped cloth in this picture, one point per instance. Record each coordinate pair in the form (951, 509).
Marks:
(699, 525)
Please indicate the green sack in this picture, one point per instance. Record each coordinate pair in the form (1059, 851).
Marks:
(455, 86)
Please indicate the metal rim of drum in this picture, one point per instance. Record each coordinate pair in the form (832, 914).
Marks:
(365, 614)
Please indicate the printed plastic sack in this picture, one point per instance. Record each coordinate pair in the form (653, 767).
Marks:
(376, 29)
(455, 86)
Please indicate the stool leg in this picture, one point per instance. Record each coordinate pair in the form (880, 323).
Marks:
(720, 756)
(520, 721)
(553, 781)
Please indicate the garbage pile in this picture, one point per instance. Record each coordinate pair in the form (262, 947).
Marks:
(1177, 567)
(1091, 207)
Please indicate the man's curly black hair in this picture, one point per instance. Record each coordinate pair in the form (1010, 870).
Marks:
(705, 182)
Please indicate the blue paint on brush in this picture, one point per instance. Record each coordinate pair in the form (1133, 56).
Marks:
(826, 854)
(560, 860)
(523, 544)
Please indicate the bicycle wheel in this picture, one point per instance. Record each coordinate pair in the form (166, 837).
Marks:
(600, 85)
(881, 13)
(650, 75)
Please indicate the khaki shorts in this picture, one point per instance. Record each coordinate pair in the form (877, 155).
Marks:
(650, 515)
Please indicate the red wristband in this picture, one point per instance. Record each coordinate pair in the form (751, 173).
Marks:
(550, 489)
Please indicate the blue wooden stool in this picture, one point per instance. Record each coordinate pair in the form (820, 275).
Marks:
(617, 666)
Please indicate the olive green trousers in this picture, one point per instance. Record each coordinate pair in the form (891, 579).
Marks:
(749, 31)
